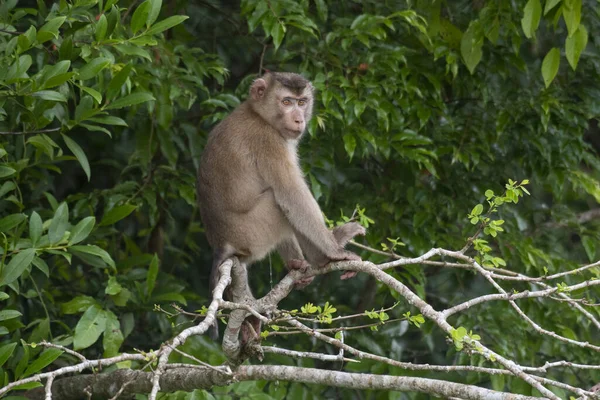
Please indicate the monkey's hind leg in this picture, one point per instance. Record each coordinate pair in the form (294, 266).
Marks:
(291, 253)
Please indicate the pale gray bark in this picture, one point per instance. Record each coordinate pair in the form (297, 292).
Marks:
(105, 386)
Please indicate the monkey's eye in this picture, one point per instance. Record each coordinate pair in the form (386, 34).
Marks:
(286, 102)
(301, 102)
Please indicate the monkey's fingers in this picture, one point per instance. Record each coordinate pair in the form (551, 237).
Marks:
(348, 275)
(346, 255)
(304, 282)
(347, 232)
(301, 265)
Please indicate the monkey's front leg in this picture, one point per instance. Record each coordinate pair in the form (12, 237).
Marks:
(342, 235)
(291, 253)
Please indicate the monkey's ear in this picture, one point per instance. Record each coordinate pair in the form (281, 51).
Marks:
(258, 89)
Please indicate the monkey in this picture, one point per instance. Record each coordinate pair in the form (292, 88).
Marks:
(251, 192)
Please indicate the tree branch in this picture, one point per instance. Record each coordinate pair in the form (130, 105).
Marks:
(188, 379)
(49, 130)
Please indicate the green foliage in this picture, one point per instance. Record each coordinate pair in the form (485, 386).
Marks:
(422, 109)
(463, 340)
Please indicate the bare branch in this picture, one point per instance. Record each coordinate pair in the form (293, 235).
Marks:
(188, 379)
(165, 352)
(75, 368)
(32, 132)
(370, 381)
(307, 354)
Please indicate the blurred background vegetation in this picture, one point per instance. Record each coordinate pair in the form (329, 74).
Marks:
(421, 107)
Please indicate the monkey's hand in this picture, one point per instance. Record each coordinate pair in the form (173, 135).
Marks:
(345, 255)
(344, 233)
(301, 265)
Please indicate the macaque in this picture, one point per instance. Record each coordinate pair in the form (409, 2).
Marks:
(252, 195)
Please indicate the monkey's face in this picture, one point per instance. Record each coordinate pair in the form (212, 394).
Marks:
(285, 101)
(294, 111)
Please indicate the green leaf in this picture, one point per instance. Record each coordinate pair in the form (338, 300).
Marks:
(9, 314)
(79, 154)
(6, 351)
(7, 187)
(550, 65)
(85, 108)
(590, 246)
(571, 10)
(94, 93)
(95, 251)
(471, 45)
(18, 69)
(477, 210)
(131, 50)
(145, 40)
(349, 144)
(152, 274)
(140, 16)
(93, 68)
(575, 45)
(321, 9)
(118, 80)
(10, 221)
(66, 49)
(130, 100)
(550, 4)
(113, 337)
(4, 296)
(24, 386)
(89, 328)
(82, 230)
(78, 304)
(50, 95)
(153, 11)
(35, 228)
(58, 80)
(46, 358)
(166, 24)
(13, 270)
(59, 224)
(109, 120)
(41, 265)
(113, 287)
(532, 14)
(50, 29)
(117, 214)
(6, 171)
(278, 32)
(101, 26)
(96, 128)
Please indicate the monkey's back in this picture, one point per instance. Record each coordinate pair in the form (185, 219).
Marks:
(237, 207)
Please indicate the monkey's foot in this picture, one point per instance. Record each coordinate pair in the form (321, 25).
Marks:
(348, 274)
(301, 265)
(304, 282)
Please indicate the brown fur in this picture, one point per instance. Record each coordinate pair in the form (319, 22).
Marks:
(251, 192)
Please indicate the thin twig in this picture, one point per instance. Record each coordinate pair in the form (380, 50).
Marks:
(308, 354)
(63, 348)
(262, 57)
(32, 132)
(48, 388)
(15, 33)
(191, 357)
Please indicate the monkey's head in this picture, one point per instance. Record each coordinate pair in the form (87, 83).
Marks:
(284, 100)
